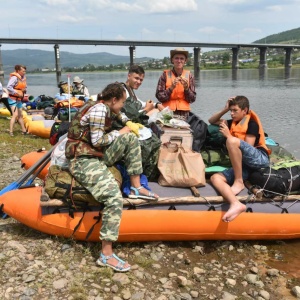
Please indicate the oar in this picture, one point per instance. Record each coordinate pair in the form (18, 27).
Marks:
(28, 173)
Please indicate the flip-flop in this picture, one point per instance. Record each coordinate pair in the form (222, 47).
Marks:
(138, 195)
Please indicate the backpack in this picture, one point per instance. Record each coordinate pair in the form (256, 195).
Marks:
(60, 184)
(214, 138)
(215, 157)
(199, 129)
(63, 113)
(282, 178)
(150, 152)
(44, 104)
(58, 129)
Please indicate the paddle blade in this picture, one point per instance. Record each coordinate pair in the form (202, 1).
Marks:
(10, 187)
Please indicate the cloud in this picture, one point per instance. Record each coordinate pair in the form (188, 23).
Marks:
(251, 30)
(274, 8)
(228, 2)
(74, 19)
(169, 6)
(141, 6)
(58, 2)
(211, 30)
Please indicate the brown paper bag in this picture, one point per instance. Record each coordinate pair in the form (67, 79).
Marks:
(180, 167)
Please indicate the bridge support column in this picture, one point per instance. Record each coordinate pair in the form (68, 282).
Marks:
(197, 51)
(263, 58)
(288, 57)
(132, 54)
(235, 59)
(57, 64)
(1, 68)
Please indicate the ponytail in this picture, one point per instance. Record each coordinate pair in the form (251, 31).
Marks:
(110, 91)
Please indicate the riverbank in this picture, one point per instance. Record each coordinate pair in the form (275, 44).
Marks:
(37, 266)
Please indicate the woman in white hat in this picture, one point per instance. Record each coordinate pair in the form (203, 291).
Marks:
(79, 88)
(176, 87)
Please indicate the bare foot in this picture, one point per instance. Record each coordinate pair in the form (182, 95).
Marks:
(237, 187)
(234, 210)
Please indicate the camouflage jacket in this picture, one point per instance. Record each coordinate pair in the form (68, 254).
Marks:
(79, 137)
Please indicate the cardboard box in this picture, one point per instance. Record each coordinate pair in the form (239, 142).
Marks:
(177, 135)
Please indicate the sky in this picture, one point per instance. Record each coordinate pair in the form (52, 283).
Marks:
(207, 21)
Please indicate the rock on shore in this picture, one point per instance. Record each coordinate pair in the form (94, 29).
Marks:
(38, 266)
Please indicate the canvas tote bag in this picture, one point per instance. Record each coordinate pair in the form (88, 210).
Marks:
(180, 167)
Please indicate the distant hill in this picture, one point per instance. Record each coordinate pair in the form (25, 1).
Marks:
(40, 59)
(286, 37)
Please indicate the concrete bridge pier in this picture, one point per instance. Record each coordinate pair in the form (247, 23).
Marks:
(235, 58)
(132, 54)
(197, 51)
(1, 68)
(288, 58)
(263, 58)
(57, 64)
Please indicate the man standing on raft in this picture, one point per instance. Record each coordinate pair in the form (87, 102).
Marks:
(176, 87)
(245, 142)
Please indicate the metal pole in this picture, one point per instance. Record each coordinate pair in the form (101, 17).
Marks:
(132, 54)
(197, 62)
(57, 64)
(235, 60)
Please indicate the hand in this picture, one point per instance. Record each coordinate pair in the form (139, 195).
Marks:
(124, 130)
(229, 102)
(174, 82)
(184, 82)
(134, 127)
(223, 128)
(19, 93)
(149, 106)
(160, 107)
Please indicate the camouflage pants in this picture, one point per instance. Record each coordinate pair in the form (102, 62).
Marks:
(92, 173)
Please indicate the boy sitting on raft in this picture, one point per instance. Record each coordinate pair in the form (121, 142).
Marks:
(245, 142)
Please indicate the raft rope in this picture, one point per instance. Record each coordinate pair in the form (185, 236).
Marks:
(284, 196)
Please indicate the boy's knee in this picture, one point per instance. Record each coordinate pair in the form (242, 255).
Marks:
(214, 178)
(232, 142)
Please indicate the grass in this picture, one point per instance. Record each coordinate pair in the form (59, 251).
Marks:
(19, 144)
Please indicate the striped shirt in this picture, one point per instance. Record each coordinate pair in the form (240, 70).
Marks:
(95, 119)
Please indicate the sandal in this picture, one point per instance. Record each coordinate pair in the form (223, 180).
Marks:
(24, 132)
(11, 133)
(137, 194)
(102, 261)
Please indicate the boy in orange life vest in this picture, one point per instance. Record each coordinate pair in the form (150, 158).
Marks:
(245, 142)
(176, 87)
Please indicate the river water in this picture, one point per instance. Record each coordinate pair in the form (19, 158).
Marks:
(273, 95)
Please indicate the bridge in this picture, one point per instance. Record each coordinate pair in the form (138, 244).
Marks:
(133, 44)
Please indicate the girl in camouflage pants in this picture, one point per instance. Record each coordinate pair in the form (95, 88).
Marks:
(92, 170)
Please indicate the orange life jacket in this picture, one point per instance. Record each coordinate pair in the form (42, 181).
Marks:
(239, 129)
(177, 99)
(19, 87)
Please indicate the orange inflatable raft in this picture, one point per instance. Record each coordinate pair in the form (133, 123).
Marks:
(159, 222)
(177, 216)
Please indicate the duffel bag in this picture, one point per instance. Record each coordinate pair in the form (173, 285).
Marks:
(276, 181)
